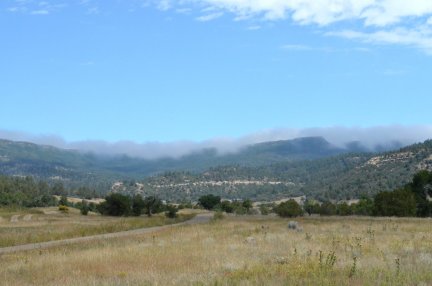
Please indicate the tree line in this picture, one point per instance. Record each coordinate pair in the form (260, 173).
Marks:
(412, 200)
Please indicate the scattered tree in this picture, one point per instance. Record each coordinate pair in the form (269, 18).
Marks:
(397, 203)
(84, 207)
(115, 205)
(289, 208)
(171, 211)
(152, 204)
(137, 205)
(327, 208)
(209, 202)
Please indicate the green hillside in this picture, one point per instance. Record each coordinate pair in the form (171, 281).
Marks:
(271, 170)
(340, 177)
(46, 162)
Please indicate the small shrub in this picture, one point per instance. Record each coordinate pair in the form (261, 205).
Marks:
(353, 267)
(63, 201)
(264, 210)
(289, 209)
(84, 209)
(171, 211)
(63, 208)
(209, 201)
(218, 216)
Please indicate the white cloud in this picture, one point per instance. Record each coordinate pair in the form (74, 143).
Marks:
(306, 48)
(339, 136)
(33, 7)
(39, 12)
(164, 5)
(420, 37)
(209, 17)
(399, 22)
(324, 12)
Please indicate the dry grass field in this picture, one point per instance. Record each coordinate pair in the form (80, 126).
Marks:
(22, 226)
(241, 251)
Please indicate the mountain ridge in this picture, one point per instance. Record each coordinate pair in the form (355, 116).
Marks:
(303, 166)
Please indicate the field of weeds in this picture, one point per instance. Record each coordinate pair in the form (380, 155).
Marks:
(241, 251)
(22, 226)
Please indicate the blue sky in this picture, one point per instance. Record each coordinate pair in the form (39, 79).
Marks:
(195, 70)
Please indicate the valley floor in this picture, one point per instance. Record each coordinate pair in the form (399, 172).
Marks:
(241, 251)
(25, 226)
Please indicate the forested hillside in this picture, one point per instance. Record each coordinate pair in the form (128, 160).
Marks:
(75, 168)
(264, 171)
(340, 177)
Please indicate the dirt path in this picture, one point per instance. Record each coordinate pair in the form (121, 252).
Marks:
(200, 218)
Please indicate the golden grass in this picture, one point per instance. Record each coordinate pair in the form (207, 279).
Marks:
(241, 251)
(46, 224)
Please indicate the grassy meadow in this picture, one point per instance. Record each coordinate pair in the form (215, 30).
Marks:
(22, 226)
(241, 251)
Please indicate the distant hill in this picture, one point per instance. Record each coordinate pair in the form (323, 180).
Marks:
(310, 166)
(22, 158)
(343, 176)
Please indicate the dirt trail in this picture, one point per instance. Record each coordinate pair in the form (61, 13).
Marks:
(200, 218)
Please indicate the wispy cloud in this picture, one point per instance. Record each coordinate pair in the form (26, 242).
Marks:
(420, 37)
(209, 17)
(391, 22)
(254, 28)
(339, 136)
(39, 12)
(32, 7)
(395, 22)
(324, 12)
(308, 48)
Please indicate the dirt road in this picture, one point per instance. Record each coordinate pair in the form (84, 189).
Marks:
(200, 218)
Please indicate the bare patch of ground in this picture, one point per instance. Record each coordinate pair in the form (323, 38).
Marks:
(14, 218)
(27, 217)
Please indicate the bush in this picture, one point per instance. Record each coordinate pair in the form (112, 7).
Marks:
(364, 207)
(264, 210)
(171, 211)
(311, 207)
(63, 208)
(137, 205)
(327, 208)
(289, 209)
(397, 203)
(209, 202)
(152, 205)
(227, 207)
(247, 204)
(84, 209)
(343, 209)
(218, 216)
(63, 201)
(115, 205)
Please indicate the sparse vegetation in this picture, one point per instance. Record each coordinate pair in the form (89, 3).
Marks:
(39, 225)
(209, 202)
(289, 208)
(399, 255)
